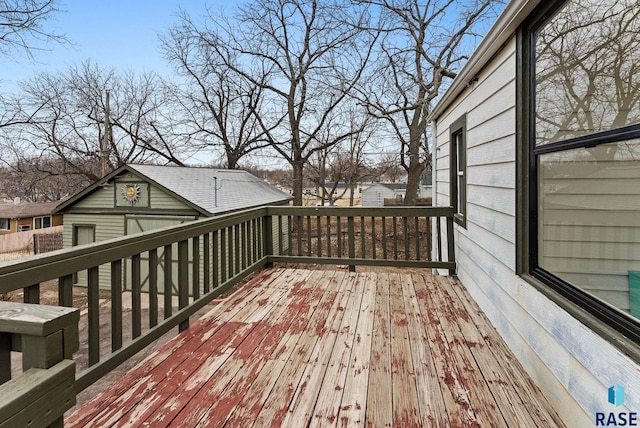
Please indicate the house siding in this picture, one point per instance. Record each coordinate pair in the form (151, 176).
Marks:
(567, 360)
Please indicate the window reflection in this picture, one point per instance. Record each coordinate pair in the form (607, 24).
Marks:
(589, 220)
(587, 70)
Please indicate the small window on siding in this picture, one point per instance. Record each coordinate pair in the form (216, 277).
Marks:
(458, 169)
(5, 224)
(42, 222)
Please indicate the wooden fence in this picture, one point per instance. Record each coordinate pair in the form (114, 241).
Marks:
(24, 241)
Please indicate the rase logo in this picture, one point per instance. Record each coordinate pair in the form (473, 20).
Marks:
(615, 396)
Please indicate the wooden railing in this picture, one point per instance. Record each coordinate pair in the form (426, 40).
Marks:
(400, 237)
(192, 263)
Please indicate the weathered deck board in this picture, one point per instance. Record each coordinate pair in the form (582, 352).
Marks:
(308, 389)
(276, 406)
(430, 402)
(325, 412)
(208, 383)
(379, 411)
(405, 390)
(354, 397)
(258, 393)
(330, 348)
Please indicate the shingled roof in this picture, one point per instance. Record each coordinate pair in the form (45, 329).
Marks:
(26, 210)
(211, 191)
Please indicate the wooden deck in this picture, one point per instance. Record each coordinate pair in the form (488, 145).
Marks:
(330, 348)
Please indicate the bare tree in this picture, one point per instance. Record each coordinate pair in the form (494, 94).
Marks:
(343, 163)
(63, 115)
(305, 58)
(388, 167)
(588, 73)
(23, 25)
(217, 105)
(39, 179)
(425, 44)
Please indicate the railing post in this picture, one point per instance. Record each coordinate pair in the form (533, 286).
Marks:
(352, 242)
(268, 237)
(47, 337)
(451, 253)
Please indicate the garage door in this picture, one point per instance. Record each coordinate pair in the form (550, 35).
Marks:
(137, 224)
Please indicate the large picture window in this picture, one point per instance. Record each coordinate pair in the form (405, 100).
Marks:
(583, 71)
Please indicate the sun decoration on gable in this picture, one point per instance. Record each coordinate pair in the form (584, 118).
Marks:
(131, 193)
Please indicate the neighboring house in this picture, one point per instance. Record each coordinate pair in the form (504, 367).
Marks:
(22, 217)
(139, 198)
(374, 195)
(538, 151)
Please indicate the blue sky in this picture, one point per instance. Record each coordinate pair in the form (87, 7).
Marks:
(114, 33)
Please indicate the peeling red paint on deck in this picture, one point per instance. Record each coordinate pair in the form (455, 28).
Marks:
(296, 347)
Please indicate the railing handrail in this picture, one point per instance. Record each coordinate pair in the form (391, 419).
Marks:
(364, 211)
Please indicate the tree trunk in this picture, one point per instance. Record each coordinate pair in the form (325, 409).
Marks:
(297, 165)
(415, 168)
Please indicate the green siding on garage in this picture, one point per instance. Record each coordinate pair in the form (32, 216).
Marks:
(102, 198)
(106, 227)
(161, 200)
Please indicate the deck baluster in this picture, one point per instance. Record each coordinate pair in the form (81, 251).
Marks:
(339, 235)
(308, 235)
(216, 259)
(417, 232)
(136, 297)
(206, 258)
(405, 228)
(363, 251)
(195, 280)
(319, 234)
(31, 294)
(373, 237)
(65, 291)
(394, 222)
(328, 236)
(153, 288)
(384, 238)
(93, 317)
(183, 280)
(116, 305)
(5, 357)
(168, 280)
(223, 255)
(237, 254)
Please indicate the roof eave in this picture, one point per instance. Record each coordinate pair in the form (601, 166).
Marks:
(503, 29)
(88, 190)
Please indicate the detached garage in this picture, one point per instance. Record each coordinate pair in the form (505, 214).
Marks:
(139, 198)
